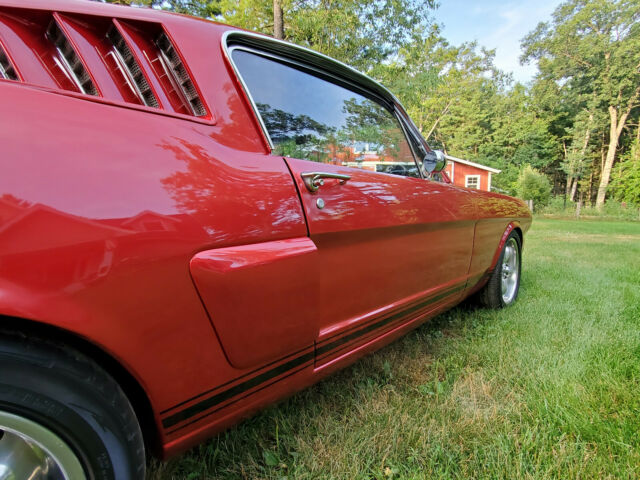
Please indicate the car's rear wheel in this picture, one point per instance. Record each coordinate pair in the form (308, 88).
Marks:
(502, 288)
(30, 450)
(63, 417)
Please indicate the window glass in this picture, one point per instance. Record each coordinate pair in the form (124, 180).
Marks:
(311, 118)
(472, 181)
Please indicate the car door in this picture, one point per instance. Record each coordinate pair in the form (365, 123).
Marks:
(391, 245)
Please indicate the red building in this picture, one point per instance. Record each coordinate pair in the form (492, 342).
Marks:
(469, 174)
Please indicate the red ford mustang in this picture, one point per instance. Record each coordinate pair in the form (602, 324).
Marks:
(196, 221)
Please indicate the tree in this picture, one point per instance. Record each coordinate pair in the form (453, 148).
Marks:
(446, 89)
(576, 153)
(519, 135)
(278, 20)
(593, 47)
(362, 33)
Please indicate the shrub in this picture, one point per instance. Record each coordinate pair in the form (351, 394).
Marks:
(612, 210)
(533, 185)
(558, 205)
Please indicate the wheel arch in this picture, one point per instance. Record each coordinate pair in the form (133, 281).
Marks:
(513, 226)
(518, 230)
(134, 391)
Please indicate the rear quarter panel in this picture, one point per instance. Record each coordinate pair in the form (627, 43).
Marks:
(497, 216)
(101, 210)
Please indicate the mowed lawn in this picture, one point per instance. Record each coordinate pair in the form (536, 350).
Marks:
(548, 388)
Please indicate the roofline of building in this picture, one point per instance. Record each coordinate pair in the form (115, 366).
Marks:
(472, 164)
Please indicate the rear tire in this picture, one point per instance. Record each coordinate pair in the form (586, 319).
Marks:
(502, 288)
(60, 411)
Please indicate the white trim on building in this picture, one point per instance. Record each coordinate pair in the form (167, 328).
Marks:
(471, 164)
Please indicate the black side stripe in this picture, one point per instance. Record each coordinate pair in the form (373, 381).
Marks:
(405, 311)
(248, 374)
(266, 385)
(374, 326)
(259, 379)
(391, 325)
(235, 390)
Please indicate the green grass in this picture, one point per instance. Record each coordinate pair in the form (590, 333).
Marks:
(548, 388)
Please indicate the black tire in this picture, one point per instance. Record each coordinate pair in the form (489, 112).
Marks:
(66, 393)
(491, 294)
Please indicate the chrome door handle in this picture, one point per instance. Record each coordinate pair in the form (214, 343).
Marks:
(314, 180)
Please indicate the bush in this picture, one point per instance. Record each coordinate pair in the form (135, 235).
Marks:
(612, 210)
(559, 206)
(533, 185)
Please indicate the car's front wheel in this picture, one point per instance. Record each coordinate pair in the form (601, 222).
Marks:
(502, 288)
(63, 417)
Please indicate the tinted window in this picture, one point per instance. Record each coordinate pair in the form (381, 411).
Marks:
(311, 118)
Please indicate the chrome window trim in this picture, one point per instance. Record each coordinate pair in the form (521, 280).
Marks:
(310, 60)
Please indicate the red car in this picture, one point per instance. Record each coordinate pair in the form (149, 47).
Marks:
(196, 221)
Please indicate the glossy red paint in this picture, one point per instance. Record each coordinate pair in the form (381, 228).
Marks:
(186, 251)
(391, 238)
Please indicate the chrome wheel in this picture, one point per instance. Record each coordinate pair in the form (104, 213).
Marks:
(30, 451)
(510, 271)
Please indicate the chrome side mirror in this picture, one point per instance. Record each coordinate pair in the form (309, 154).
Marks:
(434, 161)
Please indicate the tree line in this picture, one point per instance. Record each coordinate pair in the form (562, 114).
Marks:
(577, 122)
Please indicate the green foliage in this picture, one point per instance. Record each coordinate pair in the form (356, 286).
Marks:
(199, 8)
(559, 207)
(561, 124)
(592, 45)
(533, 185)
(464, 105)
(626, 182)
(626, 177)
(591, 48)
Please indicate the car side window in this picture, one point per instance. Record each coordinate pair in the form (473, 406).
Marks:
(312, 118)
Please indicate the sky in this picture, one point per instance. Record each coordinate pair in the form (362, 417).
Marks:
(495, 24)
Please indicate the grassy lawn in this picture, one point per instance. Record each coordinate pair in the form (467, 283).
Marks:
(548, 388)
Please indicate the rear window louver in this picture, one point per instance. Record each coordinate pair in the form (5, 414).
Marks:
(113, 60)
(71, 62)
(180, 75)
(7, 71)
(130, 65)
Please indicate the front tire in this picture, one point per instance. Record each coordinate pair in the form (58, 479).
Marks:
(502, 288)
(63, 417)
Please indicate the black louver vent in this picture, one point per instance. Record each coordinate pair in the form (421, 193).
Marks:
(72, 63)
(6, 68)
(132, 69)
(179, 72)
